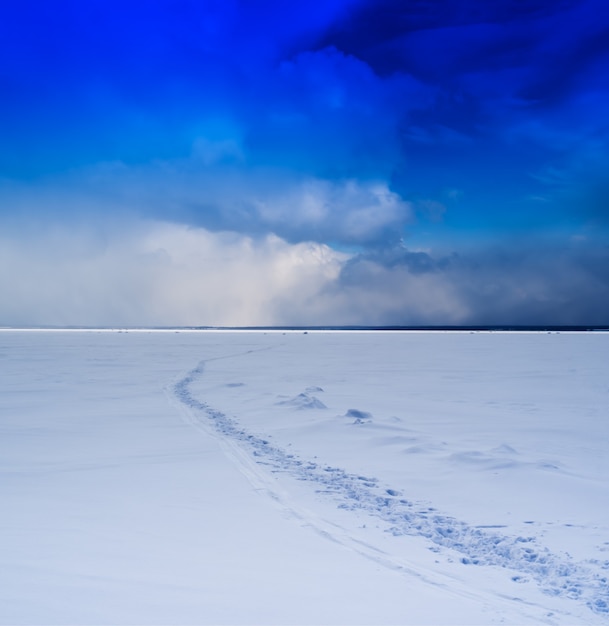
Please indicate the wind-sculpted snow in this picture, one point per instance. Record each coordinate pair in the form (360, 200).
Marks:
(556, 574)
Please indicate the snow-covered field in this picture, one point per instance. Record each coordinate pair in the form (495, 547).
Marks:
(215, 477)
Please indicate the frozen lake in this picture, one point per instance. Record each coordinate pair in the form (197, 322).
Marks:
(216, 477)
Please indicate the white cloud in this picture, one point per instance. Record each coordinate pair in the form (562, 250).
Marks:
(155, 273)
(140, 273)
(207, 191)
(347, 211)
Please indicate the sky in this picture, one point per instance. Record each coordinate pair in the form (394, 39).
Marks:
(329, 162)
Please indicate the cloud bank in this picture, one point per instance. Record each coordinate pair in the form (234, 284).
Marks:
(164, 274)
(156, 273)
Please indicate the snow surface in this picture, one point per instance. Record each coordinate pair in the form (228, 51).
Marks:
(215, 477)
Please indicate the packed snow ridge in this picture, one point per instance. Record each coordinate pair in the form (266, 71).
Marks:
(556, 574)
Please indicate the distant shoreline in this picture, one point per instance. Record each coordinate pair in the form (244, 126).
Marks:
(306, 329)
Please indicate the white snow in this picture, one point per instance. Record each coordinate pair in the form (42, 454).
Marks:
(215, 477)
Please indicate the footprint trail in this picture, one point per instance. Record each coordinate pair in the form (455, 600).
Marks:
(556, 574)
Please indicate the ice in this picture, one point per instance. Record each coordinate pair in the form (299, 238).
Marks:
(198, 477)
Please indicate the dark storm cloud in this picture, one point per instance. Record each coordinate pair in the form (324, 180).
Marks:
(522, 285)
(496, 56)
(438, 40)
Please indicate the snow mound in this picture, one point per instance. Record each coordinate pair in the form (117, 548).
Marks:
(303, 400)
(501, 459)
(359, 416)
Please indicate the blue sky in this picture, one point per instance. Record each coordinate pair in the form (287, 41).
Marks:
(336, 162)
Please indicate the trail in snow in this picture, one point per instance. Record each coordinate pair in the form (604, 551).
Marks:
(556, 574)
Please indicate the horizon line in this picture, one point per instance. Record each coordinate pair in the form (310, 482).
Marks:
(332, 328)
